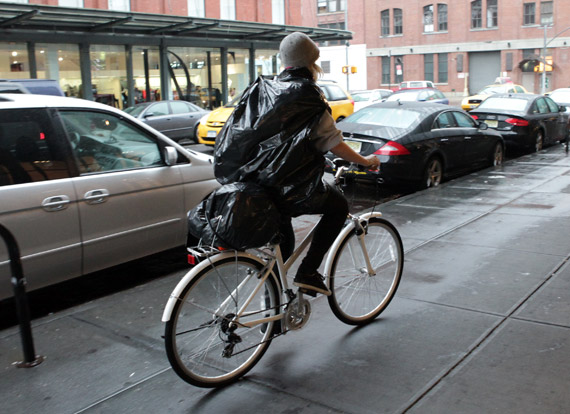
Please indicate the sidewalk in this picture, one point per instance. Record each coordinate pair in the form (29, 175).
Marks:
(480, 324)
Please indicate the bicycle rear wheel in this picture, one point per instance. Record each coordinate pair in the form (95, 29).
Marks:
(357, 298)
(203, 346)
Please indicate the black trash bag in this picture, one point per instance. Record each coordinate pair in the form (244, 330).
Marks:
(236, 216)
(267, 140)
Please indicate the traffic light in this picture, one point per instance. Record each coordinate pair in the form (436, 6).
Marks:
(345, 69)
(348, 69)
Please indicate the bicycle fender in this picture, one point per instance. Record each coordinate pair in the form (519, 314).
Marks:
(347, 229)
(175, 295)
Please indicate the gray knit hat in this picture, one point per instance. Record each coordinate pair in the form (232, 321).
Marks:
(297, 49)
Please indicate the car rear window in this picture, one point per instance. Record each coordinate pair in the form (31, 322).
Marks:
(333, 93)
(509, 104)
(387, 117)
(361, 96)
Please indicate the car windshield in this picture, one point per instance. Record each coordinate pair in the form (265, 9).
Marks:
(560, 96)
(361, 96)
(509, 104)
(407, 96)
(387, 117)
(491, 90)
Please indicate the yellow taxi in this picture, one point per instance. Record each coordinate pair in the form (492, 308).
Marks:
(472, 102)
(340, 101)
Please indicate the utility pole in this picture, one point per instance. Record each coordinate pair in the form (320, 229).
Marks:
(347, 42)
(543, 57)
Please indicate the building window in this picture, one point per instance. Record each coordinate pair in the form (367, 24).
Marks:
(278, 11)
(428, 18)
(529, 11)
(492, 13)
(196, 8)
(69, 3)
(442, 17)
(428, 67)
(398, 22)
(120, 5)
(337, 26)
(228, 9)
(442, 68)
(330, 6)
(476, 15)
(546, 13)
(385, 22)
(386, 70)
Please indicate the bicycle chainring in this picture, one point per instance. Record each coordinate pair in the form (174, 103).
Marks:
(297, 314)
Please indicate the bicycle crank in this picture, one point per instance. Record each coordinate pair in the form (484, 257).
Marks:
(297, 313)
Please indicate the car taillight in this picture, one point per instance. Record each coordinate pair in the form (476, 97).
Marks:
(352, 102)
(516, 121)
(474, 117)
(392, 148)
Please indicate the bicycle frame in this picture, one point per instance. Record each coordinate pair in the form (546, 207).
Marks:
(276, 258)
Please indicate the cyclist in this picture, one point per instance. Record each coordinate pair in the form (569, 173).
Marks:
(299, 54)
(294, 103)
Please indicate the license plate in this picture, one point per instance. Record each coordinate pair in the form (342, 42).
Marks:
(355, 145)
(212, 134)
(491, 123)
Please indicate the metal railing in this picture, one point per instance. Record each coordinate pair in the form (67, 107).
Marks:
(21, 298)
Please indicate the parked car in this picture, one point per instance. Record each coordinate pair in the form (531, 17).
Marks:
(175, 119)
(420, 142)
(415, 85)
(39, 86)
(527, 120)
(340, 101)
(12, 87)
(561, 96)
(472, 102)
(364, 98)
(84, 186)
(419, 95)
(211, 124)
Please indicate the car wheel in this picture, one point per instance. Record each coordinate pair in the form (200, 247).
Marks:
(340, 118)
(194, 138)
(498, 155)
(538, 141)
(433, 173)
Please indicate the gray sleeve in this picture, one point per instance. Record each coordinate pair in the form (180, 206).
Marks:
(326, 134)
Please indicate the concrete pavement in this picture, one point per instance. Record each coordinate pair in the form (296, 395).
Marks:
(480, 323)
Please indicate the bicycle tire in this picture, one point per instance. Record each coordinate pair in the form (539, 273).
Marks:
(358, 298)
(195, 337)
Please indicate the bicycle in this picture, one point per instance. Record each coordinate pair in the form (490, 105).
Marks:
(224, 313)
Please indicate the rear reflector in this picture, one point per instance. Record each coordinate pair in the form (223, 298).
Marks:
(392, 148)
(516, 121)
(191, 259)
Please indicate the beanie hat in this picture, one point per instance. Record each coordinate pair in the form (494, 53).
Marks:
(297, 49)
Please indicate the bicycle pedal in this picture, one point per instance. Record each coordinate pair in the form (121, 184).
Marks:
(308, 292)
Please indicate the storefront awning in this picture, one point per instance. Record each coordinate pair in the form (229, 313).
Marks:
(62, 20)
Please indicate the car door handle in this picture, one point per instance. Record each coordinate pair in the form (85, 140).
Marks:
(467, 137)
(96, 196)
(55, 203)
(444, 139)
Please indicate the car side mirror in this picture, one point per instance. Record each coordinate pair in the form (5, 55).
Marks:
(483, 126)
(562, 108)
(170, 155)
(148, 115)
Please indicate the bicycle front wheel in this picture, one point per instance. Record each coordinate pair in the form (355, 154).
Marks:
(357, 296)
(208, 341)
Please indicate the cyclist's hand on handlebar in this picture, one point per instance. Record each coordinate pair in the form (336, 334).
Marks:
(373, 162)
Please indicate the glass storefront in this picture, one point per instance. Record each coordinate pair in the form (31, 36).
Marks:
(267, 62)
(152, 57)
(60, 62)
(108, 74)
(14, 61)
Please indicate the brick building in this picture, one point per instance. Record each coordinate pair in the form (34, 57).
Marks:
(463, 45)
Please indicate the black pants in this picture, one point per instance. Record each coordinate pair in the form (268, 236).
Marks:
(334, 209)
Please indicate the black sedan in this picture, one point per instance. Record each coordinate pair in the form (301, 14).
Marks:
(524, 119)
(175, 119)
(420, 142)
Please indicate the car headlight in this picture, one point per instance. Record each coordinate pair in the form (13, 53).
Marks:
(204, 118)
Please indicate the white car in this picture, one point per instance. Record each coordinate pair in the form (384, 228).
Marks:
(84, 186)
(364, 98)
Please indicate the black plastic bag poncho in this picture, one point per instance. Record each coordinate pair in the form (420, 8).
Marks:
(267, 140)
